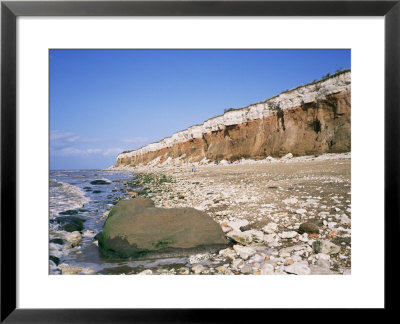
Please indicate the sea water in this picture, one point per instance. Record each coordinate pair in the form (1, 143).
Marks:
(73, 195)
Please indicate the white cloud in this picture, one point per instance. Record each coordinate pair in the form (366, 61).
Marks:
(113, 151)
(55, 135)
(67, 151)
(70, 151)
(73, 151)
(135, 140)
(60, 138)
(93, 151)
(70, 144)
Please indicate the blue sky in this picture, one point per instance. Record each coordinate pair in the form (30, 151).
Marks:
(103, 102)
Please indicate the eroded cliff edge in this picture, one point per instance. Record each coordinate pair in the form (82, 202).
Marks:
(309, 120)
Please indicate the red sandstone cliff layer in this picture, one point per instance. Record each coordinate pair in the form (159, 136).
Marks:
(320, 126)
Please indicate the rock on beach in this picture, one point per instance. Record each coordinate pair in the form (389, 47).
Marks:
(73, 239)
(298, 268)
(135, 228)
(270, 228)
(308, 228)
(325, 247)
(69, 270)
(246, 237)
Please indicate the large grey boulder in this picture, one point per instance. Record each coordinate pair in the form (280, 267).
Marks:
(308, 227)
(135, 228)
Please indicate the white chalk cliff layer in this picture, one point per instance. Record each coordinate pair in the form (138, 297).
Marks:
(333, 92)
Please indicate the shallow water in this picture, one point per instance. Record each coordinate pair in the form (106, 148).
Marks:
(72, 195)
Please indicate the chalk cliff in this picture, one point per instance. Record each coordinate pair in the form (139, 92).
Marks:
(309, 120)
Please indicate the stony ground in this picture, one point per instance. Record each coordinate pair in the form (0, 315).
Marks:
(288, 217)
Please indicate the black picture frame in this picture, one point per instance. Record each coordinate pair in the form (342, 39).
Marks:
(10, 10)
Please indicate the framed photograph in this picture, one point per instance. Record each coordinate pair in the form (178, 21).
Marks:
(163, 158)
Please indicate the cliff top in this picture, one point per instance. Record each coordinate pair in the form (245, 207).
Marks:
(324, 78)
(290, 98)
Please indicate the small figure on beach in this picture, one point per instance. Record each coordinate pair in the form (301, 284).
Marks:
(193, 169)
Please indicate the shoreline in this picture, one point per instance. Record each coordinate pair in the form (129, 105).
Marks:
(288, 158)
(262, 207)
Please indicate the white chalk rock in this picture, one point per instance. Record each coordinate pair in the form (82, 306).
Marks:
(328, 247)
(198, 268)
(287, 157)
(73, 238)
(88, 233)
(226, 229)
(244, 251)
(237, 224)
(269, 238)
(270, 228)
(291, 200)
(345, 219)
(228, 253)
(298, 268)
(241, 237)
(237, 263)
(198, 258)
(257, 236)
(267, 269)
(303, 237)
(69, 270)
(288, 235)
(317, 270)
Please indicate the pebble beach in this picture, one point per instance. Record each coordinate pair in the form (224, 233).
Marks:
(288, 216)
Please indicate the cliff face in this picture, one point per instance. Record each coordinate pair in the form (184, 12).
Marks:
(311, 119)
